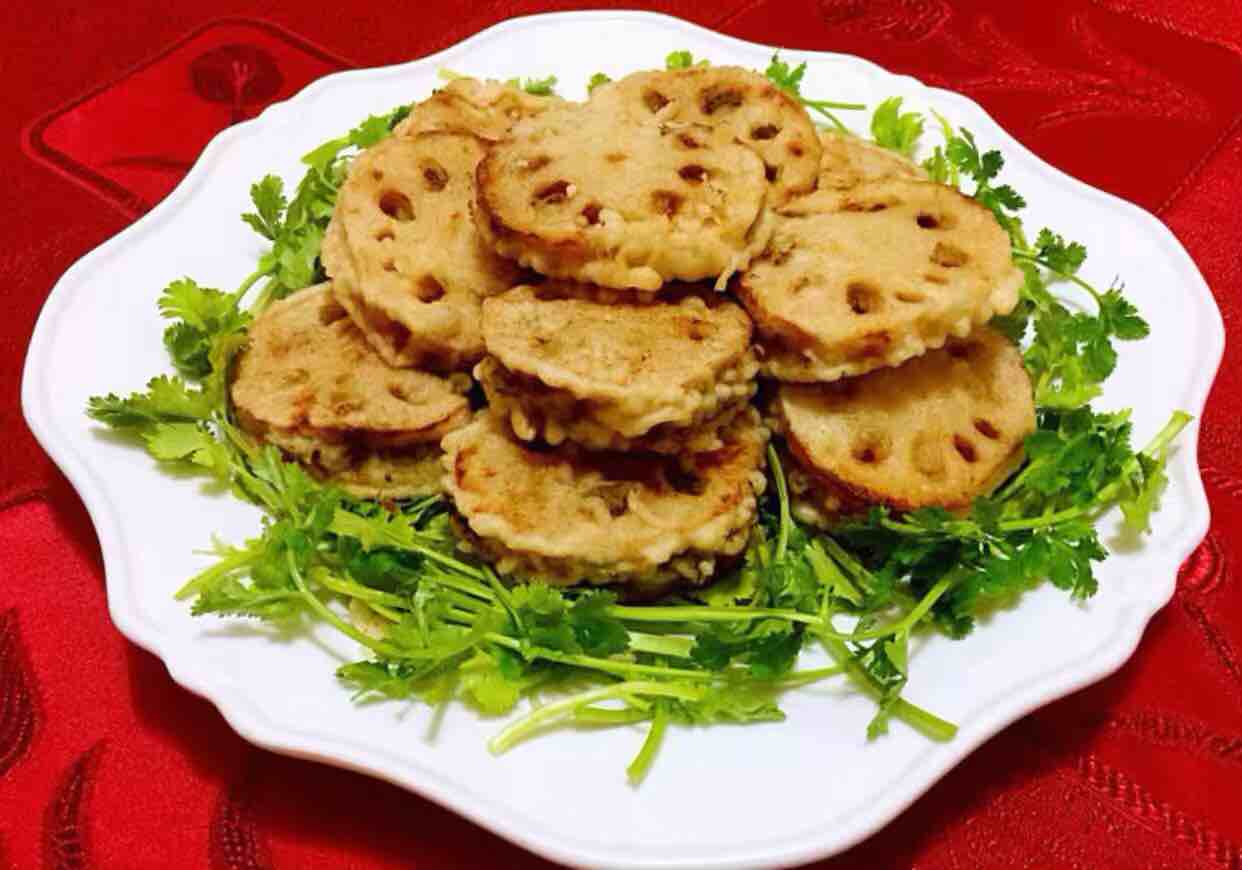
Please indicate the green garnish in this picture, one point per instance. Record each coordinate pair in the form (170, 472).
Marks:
(789, 79)
(438, 626)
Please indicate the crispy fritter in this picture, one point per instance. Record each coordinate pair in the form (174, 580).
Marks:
(611, 371)
(740, 104)
(580, 193)
(870, 277)
(848, 161)
(404, 254)
(939, 430)
(309, 383)
(484, 108)
(565, 515)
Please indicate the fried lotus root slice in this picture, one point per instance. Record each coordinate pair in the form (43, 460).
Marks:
(578, 193)
(609, 370)
(362, 471)
(848, 161)
(405, 257)
(739, 103)
(308, 382)
(870, 277)
(565, 515)
(939, 430)
(487, 109)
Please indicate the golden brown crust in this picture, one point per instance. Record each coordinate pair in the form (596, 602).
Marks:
(740, 104)
(306, 366)
(606, 369)
(577, 193)
(848, 161)
(308, 383)
(870, 277)
(939, 430)
(486, 109)
(569, 515)
(404, 254)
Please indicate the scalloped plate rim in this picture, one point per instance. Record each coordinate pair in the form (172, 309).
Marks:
(253, 724)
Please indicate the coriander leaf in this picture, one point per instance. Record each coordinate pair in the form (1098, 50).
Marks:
(268, 196)
(894, 130)
(166, 400)
(596, 80)
(190, 442)
(1056, 253)
(682, 60)
(537, 87)
(784, 77)
(597, 633)
(204, 316)
(1121, 316)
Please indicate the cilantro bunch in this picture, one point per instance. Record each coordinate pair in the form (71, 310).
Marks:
(438, 626)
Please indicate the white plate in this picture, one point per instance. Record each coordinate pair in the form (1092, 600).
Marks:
(724, 797)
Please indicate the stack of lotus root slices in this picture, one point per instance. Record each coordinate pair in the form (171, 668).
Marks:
(616, 275)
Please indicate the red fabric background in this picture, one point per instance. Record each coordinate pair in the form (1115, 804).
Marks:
(104, 762)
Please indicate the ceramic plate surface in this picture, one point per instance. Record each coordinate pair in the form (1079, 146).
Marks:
(723, 797)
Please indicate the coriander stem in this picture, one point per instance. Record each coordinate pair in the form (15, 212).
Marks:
(335, 621)
(605, 716)
(923, 721)
(608, 666)
(782, 496)
(522, 728)
(661, 644)
(357, 590)
(641, 764)
(201, 580)
(1032, 258)
(906, 623)
(811, 675)
(702, 613)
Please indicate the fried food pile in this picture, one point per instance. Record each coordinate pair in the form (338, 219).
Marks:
(615, 276)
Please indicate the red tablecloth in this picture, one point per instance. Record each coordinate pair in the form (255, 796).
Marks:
(104, 762)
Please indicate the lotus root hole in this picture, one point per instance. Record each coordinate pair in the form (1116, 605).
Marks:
(867, 207)
(764, 131)
(949, 256)
(429, 289)
(390, 265)
(590, 211)
(688, 141)
(693, 173)
(927, 221)
(616, 157)
(869, 452)
(686, 482)
(910, 297)
(964, 448)
(665, 202)
(933, 278)
(396, 205)
(554, 192)
(397, 392)
(719, 97)
(534, 164)
(862, 297)
(697, 329)
(330, 314)
(795, 148)
(377, 174)
(771, 173)
(959, 351)
(986, 429)
(385, 235)
(654, 100)
(435, 177)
